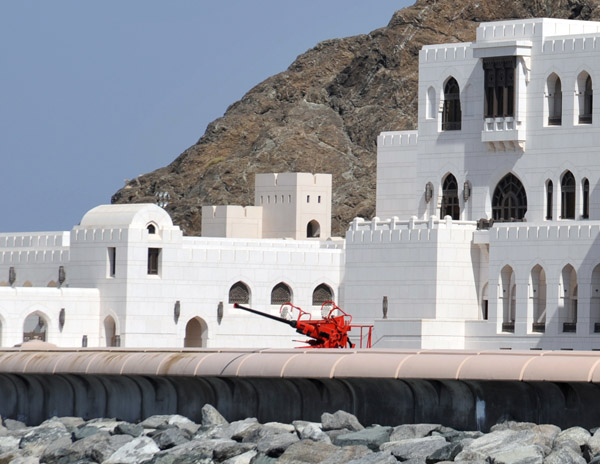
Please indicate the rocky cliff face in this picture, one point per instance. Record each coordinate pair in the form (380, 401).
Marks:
(324, 112)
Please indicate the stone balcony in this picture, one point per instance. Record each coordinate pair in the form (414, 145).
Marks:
(503, 134)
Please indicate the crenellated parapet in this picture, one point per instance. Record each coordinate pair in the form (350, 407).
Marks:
(538, 232)
(445, 53)
(396, 230)
(400, 139)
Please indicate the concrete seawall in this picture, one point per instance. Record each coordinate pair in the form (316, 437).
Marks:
(463, 390)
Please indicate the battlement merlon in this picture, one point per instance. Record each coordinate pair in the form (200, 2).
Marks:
(536, 29)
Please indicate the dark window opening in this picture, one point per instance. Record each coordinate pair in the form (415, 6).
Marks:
(151, 229)
(554, 101)
(509, 203)
(153, 259)
(567, 196)
(322, 294)
(549, 193)
(585, 115)
(313, 229)
(586, 199)
(450, 205)
(239, 293)
(452, 116)
(281, 294)
(112, 261)
(499, 87)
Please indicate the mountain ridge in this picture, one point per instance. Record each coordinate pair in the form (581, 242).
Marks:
(324, 112)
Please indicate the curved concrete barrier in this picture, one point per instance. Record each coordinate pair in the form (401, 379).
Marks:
(464, 390)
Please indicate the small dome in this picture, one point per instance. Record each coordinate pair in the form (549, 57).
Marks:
(119, 216)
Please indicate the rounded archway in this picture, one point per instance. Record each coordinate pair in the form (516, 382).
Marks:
(35, 327)
(313, 229)
(196, 333)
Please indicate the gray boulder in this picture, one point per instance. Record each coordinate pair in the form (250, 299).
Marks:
(307, 451)
(227, 450)
(340, 420)
(8, 443)
(107, 425)
(564, 455)
(446, 453)
(414, 448)
(55, 452)
(275, 445)
(183, 423)
(97, 447)
(372, 437)
(137, 450)
(38, 438)
(578, 435)
(312, 431)
(382, 457)
(594, 443)
(125, 428)
(406, 431)
(84, 431)
(347, 453)
(236, 430)
(170, 437)
(154, 422)
(245, 458)
(210, 416)
(198, 448)
(530, 454)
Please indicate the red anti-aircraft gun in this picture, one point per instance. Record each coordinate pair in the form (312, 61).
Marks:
(329, 332)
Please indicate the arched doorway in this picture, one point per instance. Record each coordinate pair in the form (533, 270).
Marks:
(538, 298)
(508, 290)
(451, 116)
(568, 310)
(313, 229)
(35, 327)
(196, 333)
(110, 331)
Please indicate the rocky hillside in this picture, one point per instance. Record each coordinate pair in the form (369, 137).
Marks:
(324, 112)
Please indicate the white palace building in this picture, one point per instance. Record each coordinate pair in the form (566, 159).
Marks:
(486, 235)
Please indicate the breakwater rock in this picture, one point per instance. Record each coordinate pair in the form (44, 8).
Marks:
(338, 438)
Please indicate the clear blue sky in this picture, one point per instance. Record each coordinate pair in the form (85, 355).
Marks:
(92, 93)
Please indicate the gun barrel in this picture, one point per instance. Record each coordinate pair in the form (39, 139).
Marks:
(260, 313)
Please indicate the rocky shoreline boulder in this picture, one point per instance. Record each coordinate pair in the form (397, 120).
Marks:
(338, 438)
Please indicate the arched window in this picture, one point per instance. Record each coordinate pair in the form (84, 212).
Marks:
(554, 100)
(196, 333)
(585, 98)
(568, 299)
(567, 196)
(430, 108)
(322, 294)
(151, 229)
(313, 229)
(484, 303)
(239, 293)
(538, 297)
(35, 327)
(508, 290)
(509, 202)
(585, 213)
(549, 196)
(451, 117)
(450, 205)
(281, 294)
(595, 299)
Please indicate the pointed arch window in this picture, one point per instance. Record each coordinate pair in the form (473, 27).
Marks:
(567, 196)
(281, 294)
(554, 100)
(585, 98)
(450, 205)
(585, 213)
(509, 202)
(549, 196)
(322, 294)
(239, 293)
(451, 117)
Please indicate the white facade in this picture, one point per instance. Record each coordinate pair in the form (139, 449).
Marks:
(485, 235)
